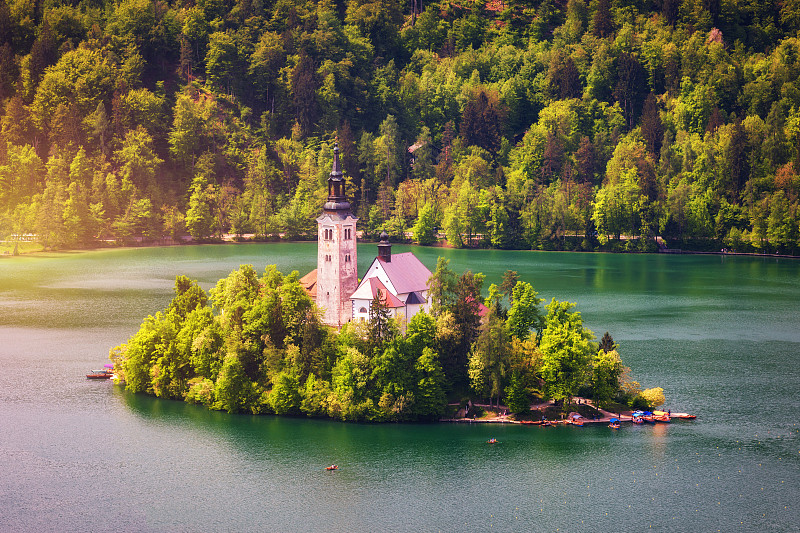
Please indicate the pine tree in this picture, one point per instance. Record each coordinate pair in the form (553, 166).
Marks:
(630, 85)
(566, 78)
(44, 53)
(715, 120)
(481, 122)
(552, 159)
(6, 24)
(652, 129)
(8, 71)
(379, 326)
(738, 161)
(607, 343)
(669, 8)
(586, 160)
(304, 93)
(602, 26)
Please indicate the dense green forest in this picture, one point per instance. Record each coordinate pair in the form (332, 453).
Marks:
(517, 123)
(257, 345)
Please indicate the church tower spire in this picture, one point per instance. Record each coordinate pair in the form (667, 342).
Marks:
(337, 261)
(337, 197)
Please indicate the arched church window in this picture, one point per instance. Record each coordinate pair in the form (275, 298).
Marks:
(362, 310)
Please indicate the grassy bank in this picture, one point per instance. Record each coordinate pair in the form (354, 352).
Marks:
(8, 248)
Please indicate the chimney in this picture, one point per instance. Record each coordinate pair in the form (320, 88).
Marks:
(384, 248)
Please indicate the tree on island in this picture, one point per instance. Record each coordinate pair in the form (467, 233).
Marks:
(525, 314)
(567, 348)
(380, 326)
(606, 371)
(607, 343)
(489, 358)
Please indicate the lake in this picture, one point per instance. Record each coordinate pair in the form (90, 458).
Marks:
(721, 335)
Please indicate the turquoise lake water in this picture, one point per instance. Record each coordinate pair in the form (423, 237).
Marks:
(721, 335)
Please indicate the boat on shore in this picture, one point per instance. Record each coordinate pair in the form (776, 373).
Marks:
(575, 419)
(661, 416)
(648, 417)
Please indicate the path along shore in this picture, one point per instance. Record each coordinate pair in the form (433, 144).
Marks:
(605, 418)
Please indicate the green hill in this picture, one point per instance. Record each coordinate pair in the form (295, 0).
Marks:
(543, 124)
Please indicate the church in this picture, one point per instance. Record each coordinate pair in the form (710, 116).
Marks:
(400, 282)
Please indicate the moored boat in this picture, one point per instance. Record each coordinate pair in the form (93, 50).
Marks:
(107, 372)
(661, 416)
(575, 419)
(100, 374)
(613, 423)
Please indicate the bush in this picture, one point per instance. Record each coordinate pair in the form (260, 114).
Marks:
(201, 391)
(638, 403)
(654, 397)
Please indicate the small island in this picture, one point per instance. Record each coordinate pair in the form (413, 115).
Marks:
(400, 344)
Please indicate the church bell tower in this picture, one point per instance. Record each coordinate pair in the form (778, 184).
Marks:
(337, 264)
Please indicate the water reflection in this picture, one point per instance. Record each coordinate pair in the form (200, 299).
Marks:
(657, 440)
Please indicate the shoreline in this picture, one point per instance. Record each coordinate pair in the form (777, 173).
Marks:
(230, 239)
(540, 408)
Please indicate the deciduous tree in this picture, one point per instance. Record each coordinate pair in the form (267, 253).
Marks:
(567, 348)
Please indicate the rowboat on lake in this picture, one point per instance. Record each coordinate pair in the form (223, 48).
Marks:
(105, 373)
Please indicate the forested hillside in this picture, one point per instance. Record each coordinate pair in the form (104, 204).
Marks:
(530, 124)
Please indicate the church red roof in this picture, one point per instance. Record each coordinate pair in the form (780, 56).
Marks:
(372, 287)
(309, 283)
